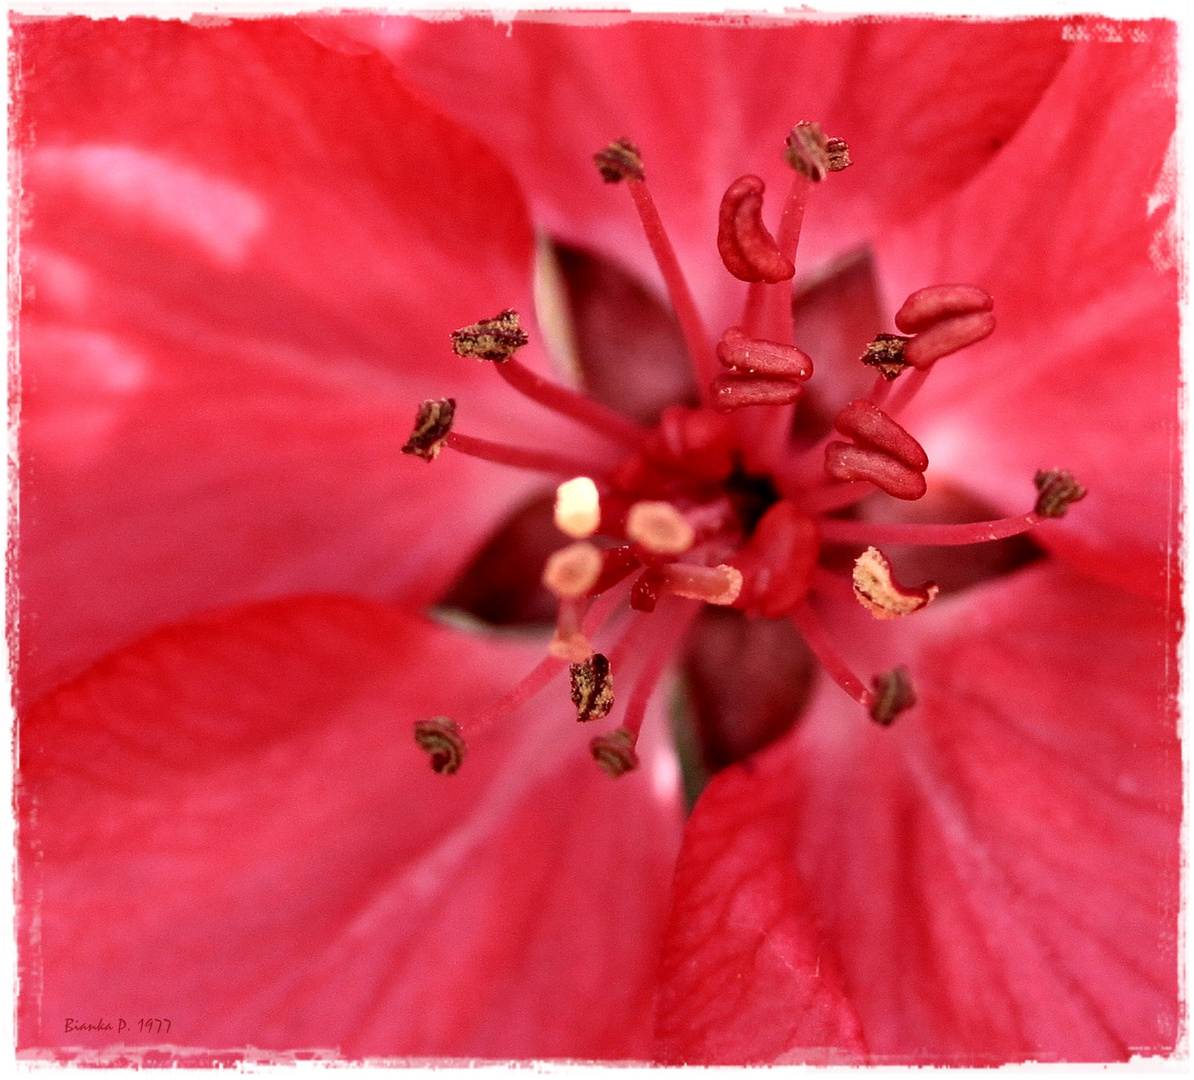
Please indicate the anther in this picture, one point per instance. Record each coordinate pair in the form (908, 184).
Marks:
(747, 249)
(752, 356)
(718, 585)
(592, 688)
(927, 307)
(433, 422)
(660, 528)
(1058, 489)
(573, 570)
(740, 391)
(880, 593)
(440, 737)
(614, 752)
(578, 508)
(886, 355)
(871, 426)
(813, 155)
(948, 336)
(893, 695)
(495, 339)
(620, 160)
(845, 461)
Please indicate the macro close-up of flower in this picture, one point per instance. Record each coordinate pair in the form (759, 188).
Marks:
(599, 539)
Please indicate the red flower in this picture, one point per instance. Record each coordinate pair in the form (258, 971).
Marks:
(234, 292)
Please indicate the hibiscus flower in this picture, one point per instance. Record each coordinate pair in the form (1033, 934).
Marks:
(234, 294)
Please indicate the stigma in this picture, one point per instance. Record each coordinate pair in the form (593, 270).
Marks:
(681, 521)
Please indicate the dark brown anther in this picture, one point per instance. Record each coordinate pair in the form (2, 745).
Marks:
(495, 339)
(614, 752)
(442, 740)
(886, 355)
(813, 155)
(620, 160)
(592, 688)
(893, 695)
(1058, 489)
(433, 422)
(747, 249)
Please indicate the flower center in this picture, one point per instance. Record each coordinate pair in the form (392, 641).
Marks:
(717, 505)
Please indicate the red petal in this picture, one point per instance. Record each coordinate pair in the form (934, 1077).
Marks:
(229, 825)
(746, 977)
(1082, 370)
(237, 294)
(706, 103)
(998, 872)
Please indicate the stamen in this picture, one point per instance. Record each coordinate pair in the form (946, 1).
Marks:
(573, 570)
(815, 637)
(752, 356)
(740, 391)
(872, 427)
(886, 355)
(718, 585)
(494, 339)
(614, 752)
(893, 695)
(626, 164)
(1058, 489)
(569, 641)
(592, 688)
(516, 457)
(881, 594)
(433, 421)
(813, 155)
(440, 737)
(660, 528)
(620, 160)
(592, 414)
(844, 461)
(747, 249)
(838, 531)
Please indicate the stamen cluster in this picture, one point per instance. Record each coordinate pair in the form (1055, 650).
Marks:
(681, 522)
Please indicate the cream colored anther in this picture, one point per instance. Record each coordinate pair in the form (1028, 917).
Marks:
(578, 508)
(660, 528)
(573, 570)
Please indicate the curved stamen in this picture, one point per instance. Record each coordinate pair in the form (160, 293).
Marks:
(928, 306)
(815, 637)
(732, 392)
(837, 531)
(691, 325)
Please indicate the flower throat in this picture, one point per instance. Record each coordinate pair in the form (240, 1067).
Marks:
(714, 505)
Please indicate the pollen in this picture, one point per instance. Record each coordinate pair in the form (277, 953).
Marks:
(573, 570)
(660, 528)
(578, 508)
(433, 423)
(878, 591)
(592, 688)
(495, 339)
